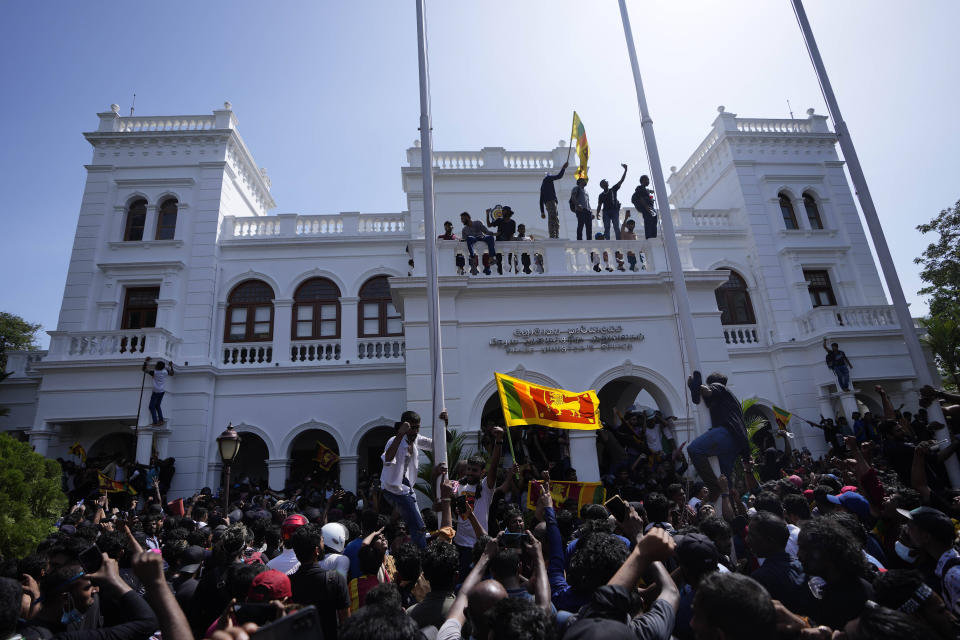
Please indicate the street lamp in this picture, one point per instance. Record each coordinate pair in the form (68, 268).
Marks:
(228, 445)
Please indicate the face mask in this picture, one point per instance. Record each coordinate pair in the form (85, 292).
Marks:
(905, 553)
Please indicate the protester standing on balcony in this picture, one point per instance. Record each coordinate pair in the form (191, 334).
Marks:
(548, 201)
(474, 230)
(838, 362)
(607, 203)
(580, 204)
(159, 374)
(644, 203)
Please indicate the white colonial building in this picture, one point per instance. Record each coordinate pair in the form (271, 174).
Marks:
(306, 328)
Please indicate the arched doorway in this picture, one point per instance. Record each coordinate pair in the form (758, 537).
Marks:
(251, 461)
(621, 393)
(369, 449)
(113, 446)
(303, 453)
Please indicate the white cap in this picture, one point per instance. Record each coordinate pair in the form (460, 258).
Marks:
(334, 536)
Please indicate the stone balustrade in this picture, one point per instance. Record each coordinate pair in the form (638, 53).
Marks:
(241, 355)
(771, 125)
(594, 258)
(742, 335)
(492, 159)
(23, 364)
(167, 123)
(290, 225)
(702, 219)
(457, 160)
(832, 319)
(315, 351)
(382, 349)
(112, 345)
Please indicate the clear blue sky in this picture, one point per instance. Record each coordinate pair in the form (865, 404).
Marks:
(327, 97)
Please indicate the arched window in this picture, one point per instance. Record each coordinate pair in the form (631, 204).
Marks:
(378, 316)
(250, 312)
(786, 210)
(136, 220)
(733, 300)
(813, 212)
(316, 310)
(167, 219)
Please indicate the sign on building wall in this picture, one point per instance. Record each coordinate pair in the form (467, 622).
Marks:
(569, 340)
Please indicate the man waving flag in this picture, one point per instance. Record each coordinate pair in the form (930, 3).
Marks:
(583, 148)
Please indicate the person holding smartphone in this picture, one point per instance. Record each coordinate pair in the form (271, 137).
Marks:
(476, 489)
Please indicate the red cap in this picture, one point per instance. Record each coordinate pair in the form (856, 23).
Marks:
(291, 524)
(269, 585)
(808, 494)
(849, 487)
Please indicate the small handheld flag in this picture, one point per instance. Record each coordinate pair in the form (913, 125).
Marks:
(325, 457)
(525, 403)
(782, 417)
(78, 450)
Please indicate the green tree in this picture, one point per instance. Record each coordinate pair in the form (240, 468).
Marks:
(16, 334)
(30, 497)
(943, 339)
(941, 261)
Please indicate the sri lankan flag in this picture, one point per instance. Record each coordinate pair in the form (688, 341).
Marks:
(583, 148)
(113, 486)
(325, 457)
(77, 449)
(582, 492)
(525, 403)
(782, 417)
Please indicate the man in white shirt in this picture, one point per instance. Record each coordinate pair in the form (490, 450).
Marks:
(478, 492)
(159, 374)
(334, 540)
(287, 562)
(401, 459)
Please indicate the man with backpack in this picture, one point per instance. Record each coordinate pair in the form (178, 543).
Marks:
(607, 203)
(580, 205)
(644, 203)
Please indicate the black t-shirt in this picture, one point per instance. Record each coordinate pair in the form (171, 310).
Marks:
(836, 358)
(725, 411)
(608, 200)
(506, 228)
(326, 590)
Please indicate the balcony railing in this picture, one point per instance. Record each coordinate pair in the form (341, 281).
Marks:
(838, 318)
(112, 345)
(315, 351)
(741, 335)
(240, 355)
(287, 226)
(393, 349)
(23, 364)
(310, 353)
(594, 258)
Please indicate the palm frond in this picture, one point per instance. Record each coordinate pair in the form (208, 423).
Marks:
(456, 451)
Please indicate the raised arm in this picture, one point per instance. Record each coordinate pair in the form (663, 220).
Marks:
(391, 451)
(541, 593)
(657, 545)
(474, 578)
(622, 178)
(148, 567)
(824, 345)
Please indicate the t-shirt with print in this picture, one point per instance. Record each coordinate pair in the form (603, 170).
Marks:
(951, 582)
(160, 380)
(466, 537)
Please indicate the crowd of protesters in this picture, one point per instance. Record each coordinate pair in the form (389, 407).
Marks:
(857, 543)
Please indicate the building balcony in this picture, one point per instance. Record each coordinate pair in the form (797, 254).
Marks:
(739, 336)
(539, 258)
(835, 319)
(122, 344)
(291, 227)
(312, 353)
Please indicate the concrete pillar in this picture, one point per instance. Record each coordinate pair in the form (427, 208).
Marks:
(150, 226)
(849, 404)
(40, 440)
(826, 405)
(348, 329)
(163, 441)
(144, 444)
(282, 324)
(583, 455)
(348, 473)
(278, 468)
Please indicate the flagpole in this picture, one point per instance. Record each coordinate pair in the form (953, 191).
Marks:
(570, 145)
(920, 365)
(430, 244)
(687, 336)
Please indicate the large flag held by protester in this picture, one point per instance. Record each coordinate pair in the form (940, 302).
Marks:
(583, 148)
(782, 417)
(325, 457)
(106, 485)
(525, 403)
(77, 449)
(582, 492)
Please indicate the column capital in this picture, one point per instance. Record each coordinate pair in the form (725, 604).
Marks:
(278, 462)
(349, 459)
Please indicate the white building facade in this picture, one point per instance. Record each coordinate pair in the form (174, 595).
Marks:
(307, 329)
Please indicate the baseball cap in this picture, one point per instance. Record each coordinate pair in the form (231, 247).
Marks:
(796, 481)
(853, 502)
(932, 521)
(334, 536)
(269, 585)
(191, 558)
(291, 524)
(697, 552)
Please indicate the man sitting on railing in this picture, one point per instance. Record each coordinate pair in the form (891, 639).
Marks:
(474, 230)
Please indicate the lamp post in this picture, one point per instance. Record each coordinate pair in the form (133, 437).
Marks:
(228, 445)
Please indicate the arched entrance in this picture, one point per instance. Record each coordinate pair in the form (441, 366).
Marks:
(113, 446)
(251, 462)
(303, 453)
(369, 449)
(620, 393)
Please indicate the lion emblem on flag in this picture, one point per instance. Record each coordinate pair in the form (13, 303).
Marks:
(559, 403)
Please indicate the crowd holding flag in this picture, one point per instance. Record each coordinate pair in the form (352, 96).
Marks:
(582, 492)
(325, 457)
(108, 485)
